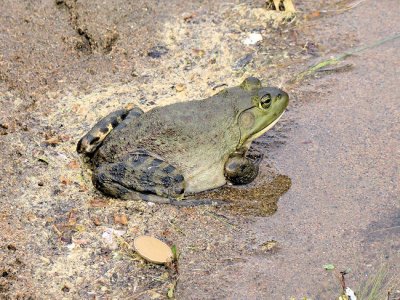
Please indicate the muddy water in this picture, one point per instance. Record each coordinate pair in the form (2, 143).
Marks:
(342, 154)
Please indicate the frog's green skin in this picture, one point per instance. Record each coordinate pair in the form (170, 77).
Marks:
(182, 148)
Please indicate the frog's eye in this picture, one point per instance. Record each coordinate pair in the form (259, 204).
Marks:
(265, 101)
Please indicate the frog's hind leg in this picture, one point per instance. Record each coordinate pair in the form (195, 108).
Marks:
(115, 120)
(140, 172)
(144, 176)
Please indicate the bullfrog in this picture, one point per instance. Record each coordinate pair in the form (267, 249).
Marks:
(180, 149)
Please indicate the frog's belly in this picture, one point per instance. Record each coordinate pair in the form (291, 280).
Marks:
(203, 180)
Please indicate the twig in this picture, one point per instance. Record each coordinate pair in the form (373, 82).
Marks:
(342, 280)
(336, 59)
(384, 229)
(341, 68)
(220, 218)
(351, 6)
(176, 227)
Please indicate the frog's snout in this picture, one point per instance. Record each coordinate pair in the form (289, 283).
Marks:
(282, 95)
(273, 93)
(278, 94)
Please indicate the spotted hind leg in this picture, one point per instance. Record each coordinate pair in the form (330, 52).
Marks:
(140, 172)
(143, 176)
(117, 119)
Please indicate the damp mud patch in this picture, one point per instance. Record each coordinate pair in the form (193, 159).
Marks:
(259, 198)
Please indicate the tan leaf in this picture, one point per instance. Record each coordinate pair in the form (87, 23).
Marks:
(98, 202)
(120, 219)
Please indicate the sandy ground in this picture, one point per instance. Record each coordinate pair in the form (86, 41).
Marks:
(64, 64)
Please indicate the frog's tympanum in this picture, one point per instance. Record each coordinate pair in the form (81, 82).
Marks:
(183, 148)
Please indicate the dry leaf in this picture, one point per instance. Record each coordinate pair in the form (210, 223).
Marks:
(180, 87)
(120, 219)
(198, 52)
(269, 245)
(53, 141)
(65, 180)
(98, 202)
(312, 15)
(73, 164)
(96, 221)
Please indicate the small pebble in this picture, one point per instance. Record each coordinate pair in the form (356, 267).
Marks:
(157, 51)
(242, 62)
(252, 39)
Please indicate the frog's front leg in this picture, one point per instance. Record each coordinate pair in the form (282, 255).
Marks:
(113, 121)
(242, 167)
(140, 173)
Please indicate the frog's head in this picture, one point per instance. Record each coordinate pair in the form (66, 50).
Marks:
(260, 111)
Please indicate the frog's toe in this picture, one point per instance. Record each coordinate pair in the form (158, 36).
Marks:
(93, 139)
(103, 182)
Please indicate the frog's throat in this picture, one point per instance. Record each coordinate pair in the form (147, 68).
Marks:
(260, 133)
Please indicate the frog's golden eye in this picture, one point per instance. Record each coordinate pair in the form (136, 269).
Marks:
(265, 101)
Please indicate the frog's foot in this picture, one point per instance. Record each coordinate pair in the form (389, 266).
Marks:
(240, 170)
(115, 120)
